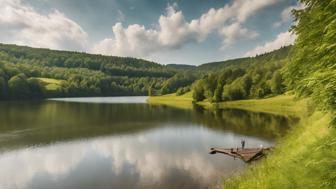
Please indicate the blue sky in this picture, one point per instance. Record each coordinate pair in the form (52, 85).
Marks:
(166, 31)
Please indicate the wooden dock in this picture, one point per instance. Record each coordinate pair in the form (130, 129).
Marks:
(246, 154)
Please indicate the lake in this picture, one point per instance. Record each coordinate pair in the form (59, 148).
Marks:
(122, 142)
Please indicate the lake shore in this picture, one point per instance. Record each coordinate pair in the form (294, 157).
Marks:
(304, 158)
(285, 105)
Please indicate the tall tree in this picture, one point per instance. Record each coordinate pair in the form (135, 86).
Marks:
(19, 87)
(312, 70)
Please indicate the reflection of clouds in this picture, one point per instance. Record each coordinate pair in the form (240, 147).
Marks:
(165, 157)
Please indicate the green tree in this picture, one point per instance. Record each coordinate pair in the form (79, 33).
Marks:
(198, 91)
(311, 70)
(276, 83)
(3, 89)
(151, 90)
(19, 87)
(36, 88)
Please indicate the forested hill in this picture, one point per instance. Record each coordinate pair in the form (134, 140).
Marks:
(260, 76)
(279, 54)
(116, 66)
(244, 78)
(27, 73)
(183, 67)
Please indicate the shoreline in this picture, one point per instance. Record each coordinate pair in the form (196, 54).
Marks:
(285, 105)
(302, 158)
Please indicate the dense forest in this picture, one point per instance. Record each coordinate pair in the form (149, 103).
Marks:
(27, 73)
(244, 78)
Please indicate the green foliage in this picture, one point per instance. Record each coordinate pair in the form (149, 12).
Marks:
(234, 91)
(19, 87)
(277, 86)
(3, 88)
(36, 87)
(256, 77)
(182, 67)
(245, 63)
(198, 91)
(183, 90)
(311, 71)
(66, 74)
(180, 80)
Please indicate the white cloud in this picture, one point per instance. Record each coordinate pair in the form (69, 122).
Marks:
(248, 7)
(21, 24)
(286, 14)
(174, 31)
(234, 32)
(283, 39)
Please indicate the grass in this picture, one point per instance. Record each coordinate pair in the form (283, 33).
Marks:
(183, 101)
(50, 81)
(283, 105)
(51, 84)
(304, 158)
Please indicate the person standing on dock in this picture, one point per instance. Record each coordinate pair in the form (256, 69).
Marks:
(243, 144)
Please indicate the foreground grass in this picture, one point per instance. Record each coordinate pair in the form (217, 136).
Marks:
(305, 158)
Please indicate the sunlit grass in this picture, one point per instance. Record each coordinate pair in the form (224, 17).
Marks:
(283, 105)
(51, 84)
(305, 158)
(49, 80)
(183, 101)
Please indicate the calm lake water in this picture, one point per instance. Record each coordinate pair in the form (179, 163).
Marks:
(123, 143)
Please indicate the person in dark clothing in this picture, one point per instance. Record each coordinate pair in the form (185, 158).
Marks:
(243, 144)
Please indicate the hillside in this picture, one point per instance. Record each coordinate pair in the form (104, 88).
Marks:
(183, 67)
(247, 62)
(26, 73)
(80, 74)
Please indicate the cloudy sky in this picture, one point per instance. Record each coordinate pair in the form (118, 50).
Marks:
(165, 31)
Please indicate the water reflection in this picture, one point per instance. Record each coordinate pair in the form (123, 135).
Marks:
(53, 144)
(105, 100)
(160, 158)
(262, 125)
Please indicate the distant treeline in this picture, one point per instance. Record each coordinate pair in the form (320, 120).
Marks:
(25, 73)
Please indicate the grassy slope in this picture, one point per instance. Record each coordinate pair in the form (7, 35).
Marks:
(282, 105)
(184, 101)
(305, 158)
(51, 84)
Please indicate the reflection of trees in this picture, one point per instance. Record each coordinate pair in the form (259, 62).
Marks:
(31, 123)
(263, 125)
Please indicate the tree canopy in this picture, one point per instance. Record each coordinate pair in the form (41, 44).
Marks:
(311, 70)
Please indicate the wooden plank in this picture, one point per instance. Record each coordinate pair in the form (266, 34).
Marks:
(246, 154)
